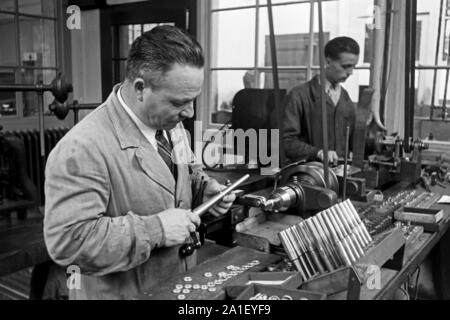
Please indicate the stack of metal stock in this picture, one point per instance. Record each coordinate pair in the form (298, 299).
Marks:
(332, 239)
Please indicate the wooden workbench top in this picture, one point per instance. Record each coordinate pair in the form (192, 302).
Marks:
(237, 256)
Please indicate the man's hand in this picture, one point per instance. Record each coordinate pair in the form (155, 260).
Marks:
(332, 156)
(177, 225)
(213, 188)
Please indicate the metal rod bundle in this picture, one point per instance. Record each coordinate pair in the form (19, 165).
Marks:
(332, 239)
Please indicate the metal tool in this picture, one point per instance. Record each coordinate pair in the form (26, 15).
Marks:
(188, 249)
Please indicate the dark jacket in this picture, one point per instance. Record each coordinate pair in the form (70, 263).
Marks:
(302, 123)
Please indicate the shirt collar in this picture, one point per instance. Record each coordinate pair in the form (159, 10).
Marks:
(148, 132)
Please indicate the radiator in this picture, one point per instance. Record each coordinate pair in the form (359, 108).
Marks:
(35, 164)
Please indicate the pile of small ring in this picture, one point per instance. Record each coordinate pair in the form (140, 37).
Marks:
(261, 296)
(182, 290)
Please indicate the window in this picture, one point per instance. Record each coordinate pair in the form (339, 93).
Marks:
(28, 53)
(432, 70)
(239, 47)
(124, 35)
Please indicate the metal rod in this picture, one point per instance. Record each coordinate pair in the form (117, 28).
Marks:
(204, 207)
(308, 242)
(447, 75)
(311, 40)
(291, 253)
(323, 98)
(407, 69)
(24, 87)
(40, 96)
(302, 245)
(327, 245)
(340, 248)
(347, 138)
(276, 84)
(436, 60)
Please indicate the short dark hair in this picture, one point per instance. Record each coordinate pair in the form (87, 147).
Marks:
(340, 45)
(155, 52)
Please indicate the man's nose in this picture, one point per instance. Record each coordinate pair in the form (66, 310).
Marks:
(188, 111)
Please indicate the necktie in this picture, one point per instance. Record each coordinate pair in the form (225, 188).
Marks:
(165, 151)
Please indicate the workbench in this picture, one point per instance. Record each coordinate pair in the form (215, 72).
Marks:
(23, 246)
(237, 256)
(414, 256)
(391, 280)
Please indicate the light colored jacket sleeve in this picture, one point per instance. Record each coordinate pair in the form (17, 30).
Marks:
(76, 229)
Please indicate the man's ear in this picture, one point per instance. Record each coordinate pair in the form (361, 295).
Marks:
(139, 85)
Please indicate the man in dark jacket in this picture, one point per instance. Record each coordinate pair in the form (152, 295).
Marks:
(302, 135)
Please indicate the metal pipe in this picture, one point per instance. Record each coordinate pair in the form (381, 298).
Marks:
(302, 245)
(323, 98)
(358, 219)
(346, 260)
(299, 252)
(276, 85)
(436, 60)
(311, 41)
(24, 87)
(344, 240)
(352, 224)
(40, 99)
(204, 207)
(291, 253)
(357, 223)
(302, 231)
(347, 138)
(330, 239)
(315, 234)
(352, 237)
(327, 244)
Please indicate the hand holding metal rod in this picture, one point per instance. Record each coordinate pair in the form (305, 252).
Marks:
(188, 248)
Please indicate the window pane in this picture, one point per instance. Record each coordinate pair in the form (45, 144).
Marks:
(287, 79)
(423, 127)
(291, 25)
(232, 37)
(220, 4)
(427, 34)
(150, 26)
(30, 99)
(224, 85)
(7, 5)
(262, 2)
(7, 99)
(356, 84)
(8, 54)
(37, 7)
(37, 42)
(347, 18)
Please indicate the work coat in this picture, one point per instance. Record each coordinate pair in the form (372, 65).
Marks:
(302, 122)
(104, 185)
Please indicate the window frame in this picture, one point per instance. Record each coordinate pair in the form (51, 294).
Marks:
(205, 13)
(62, 40)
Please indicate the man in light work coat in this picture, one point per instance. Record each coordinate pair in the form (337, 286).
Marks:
(302, 124)
(116, 207)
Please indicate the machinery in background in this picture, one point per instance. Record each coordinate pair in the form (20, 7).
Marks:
(17, 191)
(299, 188)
